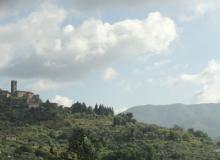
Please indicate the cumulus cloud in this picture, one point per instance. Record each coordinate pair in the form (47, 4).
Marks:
(65, 101)
(208, 79)
(109, 74)
(41, 46)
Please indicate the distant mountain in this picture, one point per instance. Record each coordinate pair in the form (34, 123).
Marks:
(205, 117)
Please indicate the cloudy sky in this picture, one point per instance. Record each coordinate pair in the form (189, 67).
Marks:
(120, 52)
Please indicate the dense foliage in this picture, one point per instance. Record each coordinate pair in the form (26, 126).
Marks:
(98, 109)
(93, 133)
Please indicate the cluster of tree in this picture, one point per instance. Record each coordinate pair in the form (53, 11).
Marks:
(81, 147)
(103, 110)
(123, 119)
(84, 146)
(98, 109)
(198, 133)
(48, 111)
(81, 108)
(21, 115)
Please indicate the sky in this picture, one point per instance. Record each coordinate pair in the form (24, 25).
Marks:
(121, 53)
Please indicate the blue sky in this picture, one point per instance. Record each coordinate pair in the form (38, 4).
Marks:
(121, 53)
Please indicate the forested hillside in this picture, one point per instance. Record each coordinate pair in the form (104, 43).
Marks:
(94, 133)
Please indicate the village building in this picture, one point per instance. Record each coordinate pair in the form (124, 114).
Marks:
(29, 98)
(4, 93)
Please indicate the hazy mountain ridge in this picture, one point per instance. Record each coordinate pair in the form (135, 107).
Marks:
(205, 117)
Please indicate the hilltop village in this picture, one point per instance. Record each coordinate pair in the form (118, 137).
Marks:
(17, 97)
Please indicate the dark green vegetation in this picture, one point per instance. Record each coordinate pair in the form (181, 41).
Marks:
(86, 133)
(205, 117)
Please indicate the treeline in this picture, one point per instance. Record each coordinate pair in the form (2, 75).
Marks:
(21, 114)
(98, 109)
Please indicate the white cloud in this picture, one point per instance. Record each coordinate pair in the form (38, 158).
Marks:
(69, 28)
(45, 48)
(120, 110)
(66, 102)
(110, 73)
(208, 79)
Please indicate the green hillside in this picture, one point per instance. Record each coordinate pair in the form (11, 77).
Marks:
(85, 133)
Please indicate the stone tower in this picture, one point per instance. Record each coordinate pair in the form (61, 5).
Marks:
(13, 87)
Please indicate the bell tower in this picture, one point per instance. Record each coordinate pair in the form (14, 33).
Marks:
(13, 87)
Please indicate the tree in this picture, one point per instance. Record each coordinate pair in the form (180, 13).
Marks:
(81, 145)
(123, 119)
